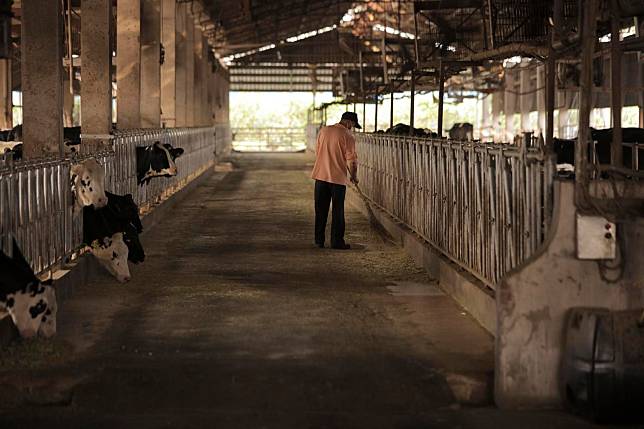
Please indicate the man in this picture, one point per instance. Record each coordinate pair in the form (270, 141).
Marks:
(335, 154)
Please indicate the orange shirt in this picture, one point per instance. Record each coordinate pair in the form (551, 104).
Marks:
(335, 147)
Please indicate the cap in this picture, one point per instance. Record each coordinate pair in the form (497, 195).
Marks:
(352, 117)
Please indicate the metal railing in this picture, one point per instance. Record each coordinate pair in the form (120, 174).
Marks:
(269, 139)
(485, 207)
(36, 200)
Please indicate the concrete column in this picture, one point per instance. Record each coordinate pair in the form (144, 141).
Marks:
(128, 64)
(68, 103)
(180, 64)
(168, 68)
(96, 90)
(190, 70)
(6, 105)
(525, 98)
(150, 67)
(509, 104)
(205, 75)
(42, 78)
(541, 98)
(198, 79)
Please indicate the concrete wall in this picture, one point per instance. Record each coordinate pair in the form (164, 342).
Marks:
(533, 300)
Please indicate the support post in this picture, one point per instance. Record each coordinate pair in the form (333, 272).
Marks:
(168, 68)
(364, 116)
(190, 70)
(96, 90)
(42, 78)
(391, 109)
(411, 107)
(6, 106)
(525, 100)
(441, 96)
(181, 77)
(509, 99)
(375, 119)
(150, 67)
(550, 94)
(128, 64)
(616, 85)
(198, 78)
(589, 40)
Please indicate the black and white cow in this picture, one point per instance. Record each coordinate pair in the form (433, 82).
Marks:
(156, 160)
(565, 148)
(112, 232)
(87, 181)
(30, 303)
(463, 131)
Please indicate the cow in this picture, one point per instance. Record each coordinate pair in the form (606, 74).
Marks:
(107, 230)
(12, 135)
(30, 303)
(112, 254)
(565, 148)
(404, 129)
(87, 181)
(463, 131)
(11, 149)
(156, 160)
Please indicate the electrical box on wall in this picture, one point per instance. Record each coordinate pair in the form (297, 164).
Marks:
(596, 237)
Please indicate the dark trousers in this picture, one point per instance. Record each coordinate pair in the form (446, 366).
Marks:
(326, 192)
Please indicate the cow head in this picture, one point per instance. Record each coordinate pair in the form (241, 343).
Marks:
(88, 184)
(160, 161)
(112, 254)
(30, 303)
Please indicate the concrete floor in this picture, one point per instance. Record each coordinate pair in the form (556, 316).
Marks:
(236, 320)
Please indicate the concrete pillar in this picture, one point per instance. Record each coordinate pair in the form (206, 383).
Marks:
(128, 64)
(509, 97)
(42, 78)
(150, 67)
(68, 102)
(541, 98)
(190, 70)
(181, 65)
(525, 98)
(205, 75)
(96, 89)
(6, 115)
(198, 79)
(168, 68)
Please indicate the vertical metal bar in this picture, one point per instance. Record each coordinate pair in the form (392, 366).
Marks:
(411, 108)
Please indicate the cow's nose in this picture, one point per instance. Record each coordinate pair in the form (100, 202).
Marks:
(28, 333)
(126, 279)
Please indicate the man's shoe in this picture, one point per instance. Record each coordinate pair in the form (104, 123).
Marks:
(342, 247)
(320, 245)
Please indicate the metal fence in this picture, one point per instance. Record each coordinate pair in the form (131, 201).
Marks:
(485, 207)
(36, 200)
(269, 139)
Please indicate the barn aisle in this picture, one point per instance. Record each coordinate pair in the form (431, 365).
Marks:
(236, 320)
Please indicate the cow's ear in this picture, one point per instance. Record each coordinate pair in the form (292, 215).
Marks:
(177, 152)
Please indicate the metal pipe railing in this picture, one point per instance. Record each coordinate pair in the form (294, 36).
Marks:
(36, 200)
(486, 207)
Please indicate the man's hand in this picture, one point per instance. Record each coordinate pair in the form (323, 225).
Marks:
(354, 180)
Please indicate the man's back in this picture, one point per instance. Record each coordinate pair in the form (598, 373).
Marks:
(335, 146)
